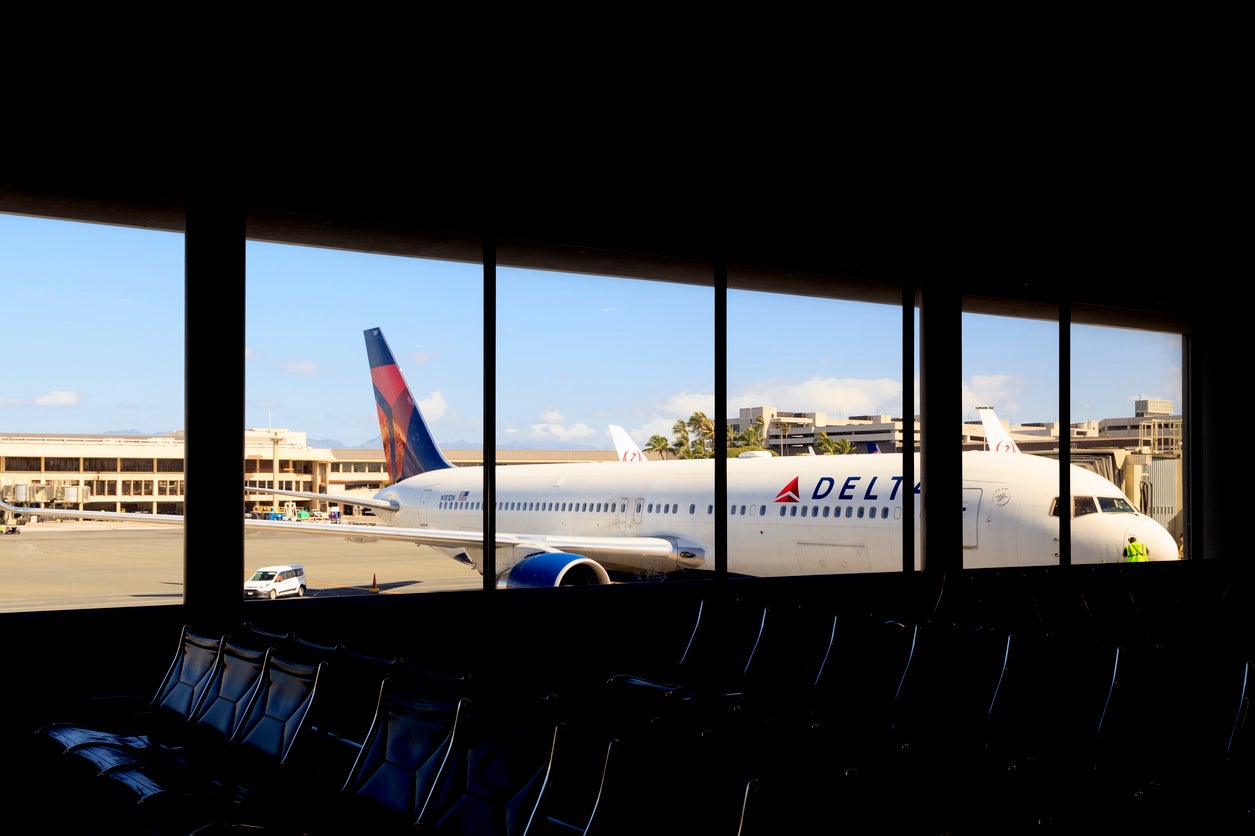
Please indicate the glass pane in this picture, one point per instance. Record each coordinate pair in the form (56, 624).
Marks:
(1124, 433)
(1128, 426)
(312, 419)
(578, 354)
(91, 418)
(808, 379)
(1010, 405)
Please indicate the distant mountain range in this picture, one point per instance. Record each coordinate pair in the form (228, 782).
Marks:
(377, 442)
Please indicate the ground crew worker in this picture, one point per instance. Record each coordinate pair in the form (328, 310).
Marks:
(1136, 552)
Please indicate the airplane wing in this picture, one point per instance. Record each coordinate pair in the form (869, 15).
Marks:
(341, 499)
(71, 513)
(658, 554)
(452, 538)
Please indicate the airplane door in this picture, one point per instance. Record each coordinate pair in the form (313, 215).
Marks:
(623, 513)
(971, 517)
(422, 506)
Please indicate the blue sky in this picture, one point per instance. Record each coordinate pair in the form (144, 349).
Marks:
(93, 329)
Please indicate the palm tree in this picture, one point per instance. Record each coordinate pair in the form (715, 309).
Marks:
(682, 442)
(833, 446)
(783, 428)
(753, 434)
(659, 445)
(704, 430)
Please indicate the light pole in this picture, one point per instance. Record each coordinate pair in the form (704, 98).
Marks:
(275, 438)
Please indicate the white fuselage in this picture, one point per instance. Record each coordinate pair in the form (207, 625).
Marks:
(785, 516)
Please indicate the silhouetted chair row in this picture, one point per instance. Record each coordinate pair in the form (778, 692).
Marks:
(772, 716)
(957, 723)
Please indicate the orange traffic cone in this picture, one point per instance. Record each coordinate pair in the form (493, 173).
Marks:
(374, 586)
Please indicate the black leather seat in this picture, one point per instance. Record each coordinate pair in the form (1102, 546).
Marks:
(106, 718)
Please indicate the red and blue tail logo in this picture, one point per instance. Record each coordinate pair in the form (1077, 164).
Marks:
(408, 446)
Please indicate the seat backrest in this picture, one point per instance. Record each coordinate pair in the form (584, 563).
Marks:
(498, 771)
(1238, 747)
(575, 778)
(188, 675)
(638, 793)
(951, 677)
(405, 754)
(1152, 678)
(787, 656)
(229, 691)
(862, 669)
(279, 708)
(720, 645)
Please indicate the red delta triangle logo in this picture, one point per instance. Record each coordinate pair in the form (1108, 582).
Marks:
(789, 494)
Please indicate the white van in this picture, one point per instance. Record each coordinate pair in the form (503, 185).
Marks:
(275, 581)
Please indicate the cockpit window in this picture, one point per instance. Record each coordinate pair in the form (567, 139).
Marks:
(1115, 504)
(1081, 506)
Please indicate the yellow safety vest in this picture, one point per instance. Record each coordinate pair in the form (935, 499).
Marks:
(1135, 552)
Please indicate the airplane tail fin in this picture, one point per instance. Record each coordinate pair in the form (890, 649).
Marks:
(408, 446)
(996, 436)
(873, 447)
(625, 446)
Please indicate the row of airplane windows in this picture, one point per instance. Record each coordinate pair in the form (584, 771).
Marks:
(822, 511)
(575, 507)
(791, 510)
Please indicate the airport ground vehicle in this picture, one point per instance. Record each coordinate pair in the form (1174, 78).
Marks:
(275, 582)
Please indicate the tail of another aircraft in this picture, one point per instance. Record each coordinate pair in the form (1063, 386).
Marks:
(996, 435)
(625, 446)
(408, 446)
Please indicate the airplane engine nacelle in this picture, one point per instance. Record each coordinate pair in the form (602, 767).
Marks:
(555, 569)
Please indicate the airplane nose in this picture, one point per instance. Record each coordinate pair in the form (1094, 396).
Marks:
(1156, 537)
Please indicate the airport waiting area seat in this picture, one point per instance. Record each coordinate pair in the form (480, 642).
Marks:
(235, 745)
(104, 718)
(826, 716)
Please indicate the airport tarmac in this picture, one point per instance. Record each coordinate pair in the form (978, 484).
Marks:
(77, 565)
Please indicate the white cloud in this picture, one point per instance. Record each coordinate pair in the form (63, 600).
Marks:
(434, 406)
(837, 398)
(58, 398)
(996, 390)
(304, 368)
(684, 404)
(561, 432)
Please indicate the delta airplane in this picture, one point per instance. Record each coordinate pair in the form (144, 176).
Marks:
(601, 522)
